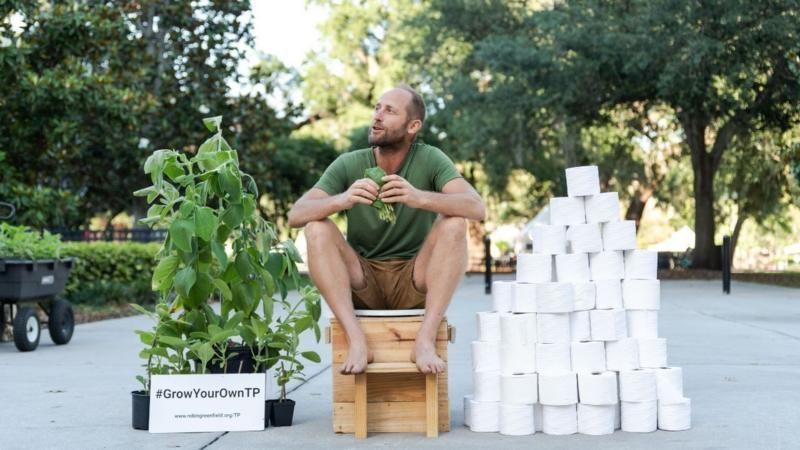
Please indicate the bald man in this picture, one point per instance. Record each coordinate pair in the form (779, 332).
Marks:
(415, 262)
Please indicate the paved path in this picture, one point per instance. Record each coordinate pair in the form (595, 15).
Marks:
(740, 355)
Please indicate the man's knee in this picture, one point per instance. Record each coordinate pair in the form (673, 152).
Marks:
(319, 230)
(455, 227)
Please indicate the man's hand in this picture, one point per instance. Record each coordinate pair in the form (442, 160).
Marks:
(397, 189)
(363, 191)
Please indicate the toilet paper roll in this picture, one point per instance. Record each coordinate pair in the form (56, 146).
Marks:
(559, 420)
(553, 328)
(537, 416)
(602, 207)
(618, 418)
(502, 295)
(532, 328)
(608, 294)
(558, 389)
(534, 268)
(524, 299)
(588, 357)
(639, 417)
(567, 211)
(606, 265)
(485, 356)
(641, 294)
(555, 297)
(596, 420)
(619, 235)
(513, 329)
(582, 181)
(488, 326)
(608, 324)
(549, 239)
(641, 264)
(516, 419)
(579, 326)
(553, 358)
(572, 267)
(622, 354)
(486, 386)
(584, 295)
(643, 324)
(637, 385)
(669, 384)
(517, 358)
(584, 238)
(519, 388)
(467, 410)
(598, 388)
(652, 353)
(675, 416)
(484, 416)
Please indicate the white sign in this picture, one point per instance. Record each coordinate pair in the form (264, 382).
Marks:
(187, 403)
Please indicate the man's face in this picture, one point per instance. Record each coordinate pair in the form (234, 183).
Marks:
(390, 119)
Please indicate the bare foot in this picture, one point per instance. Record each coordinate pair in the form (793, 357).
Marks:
(358, 356)
(424, 354)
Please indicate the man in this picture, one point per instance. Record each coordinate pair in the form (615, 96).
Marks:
(415, 262)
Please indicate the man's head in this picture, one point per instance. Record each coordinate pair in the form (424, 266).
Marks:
(398, 117)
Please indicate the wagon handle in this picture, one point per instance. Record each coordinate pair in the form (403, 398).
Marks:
(10, 208)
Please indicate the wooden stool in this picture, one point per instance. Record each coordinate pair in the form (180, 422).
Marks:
(397, 397)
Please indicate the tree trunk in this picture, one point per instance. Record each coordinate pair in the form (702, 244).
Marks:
(636, 208)
(740, 219)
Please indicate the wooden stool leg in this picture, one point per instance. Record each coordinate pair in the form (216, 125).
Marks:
(361, 406)
(432, 405)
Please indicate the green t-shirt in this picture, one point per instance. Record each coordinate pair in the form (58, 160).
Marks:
(426, 167)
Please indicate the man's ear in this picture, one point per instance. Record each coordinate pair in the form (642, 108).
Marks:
(414, 126)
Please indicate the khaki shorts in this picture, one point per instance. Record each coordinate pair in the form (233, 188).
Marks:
(390, 285)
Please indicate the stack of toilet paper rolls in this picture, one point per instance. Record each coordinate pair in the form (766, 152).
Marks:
(572, 346)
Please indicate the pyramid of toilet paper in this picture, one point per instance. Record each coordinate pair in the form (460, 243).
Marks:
(572, 345)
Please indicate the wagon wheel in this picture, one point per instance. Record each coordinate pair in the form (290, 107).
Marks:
(26, 329)
(61, 322)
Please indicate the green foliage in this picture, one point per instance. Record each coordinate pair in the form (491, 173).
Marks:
(18, 242)
(385, 210)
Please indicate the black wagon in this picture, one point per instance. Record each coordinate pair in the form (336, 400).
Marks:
(27, 286)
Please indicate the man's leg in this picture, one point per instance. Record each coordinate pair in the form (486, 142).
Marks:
(334, 267)
(440, 264)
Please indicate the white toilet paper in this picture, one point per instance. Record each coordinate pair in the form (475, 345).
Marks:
(580, 326)
(584, 238)
(549, 239)
(519, 388)
(555, 297)
(582, 181)
(484, 416)
(622, 354)
(553, 358)
(641, 264)
(608, 294)
(567, 211)
(598, 388)
(502, 295)
(652, 352)
(572, 267)
(488, 326)
(516, 419)
(532, 328)
(619, 235)
(606, 265)
(467, 410)
(524, 299)
(608, 324)
(641, 294)
(675, 416)
(584, 295)
(618, 418)
(588, 357)
(553, 328)
(534, 267)
(643, 324)
(669, 384)
(558, 389)
(485, 356)
(602, 207)
(517, 358)
(559, 420)
(513, 329)
(596, 419)
(537, 416)
(486, 386)
(637, 385)
(639, 417)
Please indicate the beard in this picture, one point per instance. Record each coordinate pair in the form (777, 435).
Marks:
(386, 138)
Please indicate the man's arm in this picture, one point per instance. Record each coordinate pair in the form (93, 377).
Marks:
(458, 198)
(317, 204)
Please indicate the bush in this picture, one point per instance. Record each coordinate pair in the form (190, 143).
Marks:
(110, 272)
(18, 242)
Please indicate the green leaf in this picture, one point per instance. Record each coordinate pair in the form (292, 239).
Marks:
(201, 290)
(205, 222)
(311, 356)
(212, 123)
(173, 342)
(184, 280)
(233, 216)
(164, 271)
(223, 288)
(219, 252)
(231, 184)
(181, 232)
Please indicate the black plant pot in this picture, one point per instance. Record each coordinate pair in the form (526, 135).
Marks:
(241, 361)
(140, 417)
(267, 412)
(282, 413)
